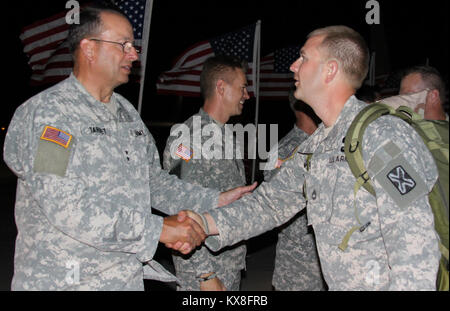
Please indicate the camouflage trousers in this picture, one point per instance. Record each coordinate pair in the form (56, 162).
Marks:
(297, 266)
(231, 279)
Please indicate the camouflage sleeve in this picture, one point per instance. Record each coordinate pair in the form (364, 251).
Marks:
(286, 147)
(404, 173)
(70, 203)
(270, 170)
(270, 205)
(171, 194)
(169, 162)
(200, 260)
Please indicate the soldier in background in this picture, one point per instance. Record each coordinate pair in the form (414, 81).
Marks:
(224, 88)
(419, 78)
(297, 266)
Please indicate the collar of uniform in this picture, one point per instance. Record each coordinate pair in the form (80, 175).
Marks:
(210, 119)
(97, 107)
(333, 139)
(298, 131)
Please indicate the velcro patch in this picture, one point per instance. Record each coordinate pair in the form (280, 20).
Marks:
(401, 181)
(50, 157)
(56, 136)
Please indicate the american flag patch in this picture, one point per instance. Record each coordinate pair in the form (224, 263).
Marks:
(57, 136)
(279, 163)
(184, 153)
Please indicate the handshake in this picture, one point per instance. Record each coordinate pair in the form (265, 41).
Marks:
(187, 230)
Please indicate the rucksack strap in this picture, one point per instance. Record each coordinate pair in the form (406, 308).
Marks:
(353, 142)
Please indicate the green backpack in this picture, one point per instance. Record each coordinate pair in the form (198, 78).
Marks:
(435, 135)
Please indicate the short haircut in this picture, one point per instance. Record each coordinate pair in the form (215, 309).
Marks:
(349, 48)
(90, 24)
(431, 78)
(216, 68)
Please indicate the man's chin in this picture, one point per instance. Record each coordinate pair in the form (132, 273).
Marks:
(298, 94)
(123, 80)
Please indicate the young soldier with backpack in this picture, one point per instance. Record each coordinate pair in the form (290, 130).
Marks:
(365, 242)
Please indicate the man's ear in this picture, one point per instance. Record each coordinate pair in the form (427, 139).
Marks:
(87, 49)
(433, 96)
(220, 87)
(331, 70)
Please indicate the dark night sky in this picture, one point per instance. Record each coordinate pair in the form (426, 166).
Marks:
(414, 30)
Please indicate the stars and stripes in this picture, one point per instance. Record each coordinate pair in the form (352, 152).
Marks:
(276, 79)
(184, 78)
(57, 136)
(184, 152)
(48, 54)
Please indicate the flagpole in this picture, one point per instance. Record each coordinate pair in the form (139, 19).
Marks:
(374, 68)
(145, 39)
(255, 73)
(371, 76)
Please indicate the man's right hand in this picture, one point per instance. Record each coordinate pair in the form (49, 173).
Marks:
(214, 284)
(183, 236)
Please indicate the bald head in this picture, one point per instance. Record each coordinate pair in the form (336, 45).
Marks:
(90, 25)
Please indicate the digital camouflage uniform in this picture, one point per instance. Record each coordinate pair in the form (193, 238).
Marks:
(221, 174)
(84, 195)
(398, 250)
(297, 265)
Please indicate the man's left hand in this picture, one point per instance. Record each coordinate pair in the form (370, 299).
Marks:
(232, 195)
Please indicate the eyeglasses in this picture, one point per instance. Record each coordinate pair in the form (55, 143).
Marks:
(127, 46)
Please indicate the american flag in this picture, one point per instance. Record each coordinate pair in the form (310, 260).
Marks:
(275, 77)
(45, 43)
(184, 152)
(57, 136)
(184, 78)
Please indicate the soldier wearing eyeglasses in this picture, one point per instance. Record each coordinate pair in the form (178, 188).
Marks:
(89, 172)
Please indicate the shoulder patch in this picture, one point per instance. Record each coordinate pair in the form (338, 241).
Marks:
(290, 156)
(401, 181)
(50, 157)
(184, 152)
(56, 136)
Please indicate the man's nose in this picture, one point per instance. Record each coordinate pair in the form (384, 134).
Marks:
(133, 55)
(246, 96)
(294, 65)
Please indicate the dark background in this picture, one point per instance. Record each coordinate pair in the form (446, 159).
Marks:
(409, 33)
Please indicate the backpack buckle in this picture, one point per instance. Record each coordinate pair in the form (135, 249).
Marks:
(365, 177)
(352, 149)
